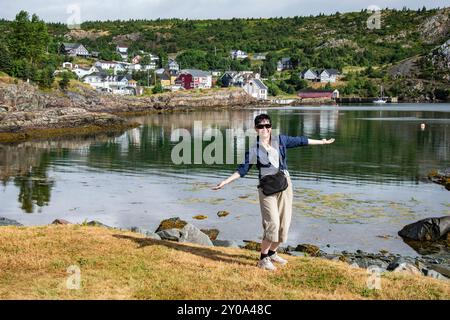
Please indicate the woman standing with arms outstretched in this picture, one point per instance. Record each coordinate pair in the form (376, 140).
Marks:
(275, 187)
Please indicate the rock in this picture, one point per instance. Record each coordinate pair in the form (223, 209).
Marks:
(170, 234)
(95, 223)
(407, 268)
(192, 234)
(200, 217)
(172, 223)
(252, 245)
(442, 269)
(60, 221)
(222, 214)
(225, 243)
(398, 261)
(211, 233)
(429, 229)
(434, 274)
(8, 222)
(442, 176)
(310, 249)
(435, 27)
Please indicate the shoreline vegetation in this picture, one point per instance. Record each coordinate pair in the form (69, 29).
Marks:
(120, 264)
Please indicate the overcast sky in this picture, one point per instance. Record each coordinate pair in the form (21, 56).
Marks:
(63, 11)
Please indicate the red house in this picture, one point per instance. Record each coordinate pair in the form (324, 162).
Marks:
(314, 94)
(193, 79)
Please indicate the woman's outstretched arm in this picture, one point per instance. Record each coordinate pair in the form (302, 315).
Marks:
(231, 178)
(323, 141)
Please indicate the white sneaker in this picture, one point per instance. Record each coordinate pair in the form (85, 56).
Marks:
(266, 264)
(276, 258)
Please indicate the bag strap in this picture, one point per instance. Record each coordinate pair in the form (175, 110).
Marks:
(258, 163)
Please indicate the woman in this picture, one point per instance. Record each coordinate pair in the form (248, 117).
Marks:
(276, 209)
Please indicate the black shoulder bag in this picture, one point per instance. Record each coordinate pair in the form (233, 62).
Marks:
(271, 183)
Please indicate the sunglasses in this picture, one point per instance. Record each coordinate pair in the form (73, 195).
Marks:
(261, 126)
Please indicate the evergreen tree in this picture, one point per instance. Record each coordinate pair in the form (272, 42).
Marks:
(6, 63)
(64, 82)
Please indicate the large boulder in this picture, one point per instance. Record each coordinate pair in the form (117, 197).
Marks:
(8, 222)
(189, 233)
(192, 234)
(429, 229)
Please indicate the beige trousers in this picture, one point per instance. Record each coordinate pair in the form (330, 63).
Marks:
(276, 212)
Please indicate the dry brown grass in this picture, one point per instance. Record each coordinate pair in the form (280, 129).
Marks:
(123, 265)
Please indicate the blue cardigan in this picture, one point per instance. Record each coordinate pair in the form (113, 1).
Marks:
(285, 142)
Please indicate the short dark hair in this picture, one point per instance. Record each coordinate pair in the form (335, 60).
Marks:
(259, 118)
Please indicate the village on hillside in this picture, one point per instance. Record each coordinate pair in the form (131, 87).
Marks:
(120, 77)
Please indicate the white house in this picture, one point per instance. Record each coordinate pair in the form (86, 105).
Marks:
(309, 74)
(81, 72)
(328, 75)
(322, 75)
(238, 54)
(256, 88)
(122, 85)
(111, 65)
(74, 49)
(173, 65)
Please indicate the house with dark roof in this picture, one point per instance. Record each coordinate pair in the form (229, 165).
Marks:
(173, 66)
(74, 49)
(320, 75)
(256, 88)
(285, 64)
(328, 75)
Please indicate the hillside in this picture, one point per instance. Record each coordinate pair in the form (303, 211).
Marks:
(124, 265)
(342, 41)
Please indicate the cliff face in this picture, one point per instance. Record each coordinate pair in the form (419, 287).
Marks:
(24, 107)
(436, 27)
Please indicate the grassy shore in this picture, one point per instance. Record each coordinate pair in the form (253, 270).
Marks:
(123, 265)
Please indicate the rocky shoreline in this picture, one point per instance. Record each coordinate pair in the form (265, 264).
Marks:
(175, 229)
(25, 108)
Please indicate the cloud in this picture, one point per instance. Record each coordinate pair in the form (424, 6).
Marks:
(53, 10)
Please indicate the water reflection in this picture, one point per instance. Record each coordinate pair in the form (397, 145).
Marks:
(372, 147)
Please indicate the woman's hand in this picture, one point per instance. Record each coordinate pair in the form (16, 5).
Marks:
(220, 185)
(329, 141)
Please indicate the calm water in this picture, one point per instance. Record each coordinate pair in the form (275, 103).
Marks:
(354, 194)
